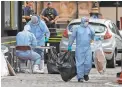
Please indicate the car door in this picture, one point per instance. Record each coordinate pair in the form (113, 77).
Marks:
(117, 37)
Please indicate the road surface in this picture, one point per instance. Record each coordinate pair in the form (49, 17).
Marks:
(54, 80)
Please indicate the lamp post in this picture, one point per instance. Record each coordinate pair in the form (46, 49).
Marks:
(35, 7)
(77, 9)
(117, 4)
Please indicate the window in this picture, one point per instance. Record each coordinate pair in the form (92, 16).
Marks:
(7, 13)
(15, 13)
(72, 26)
(109, 3)
(11, 14)
(117, 30)
(112, 28)
(98, 28)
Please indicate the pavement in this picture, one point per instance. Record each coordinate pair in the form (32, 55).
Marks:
(54, 80)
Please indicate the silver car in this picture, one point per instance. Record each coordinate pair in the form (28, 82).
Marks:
(111, 38)
(120, 32)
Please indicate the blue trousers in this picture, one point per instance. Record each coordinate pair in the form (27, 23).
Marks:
(40, 52)
(83, 62)
(29, 55)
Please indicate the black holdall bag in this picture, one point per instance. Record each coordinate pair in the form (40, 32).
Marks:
(66, 66)
(51, 62)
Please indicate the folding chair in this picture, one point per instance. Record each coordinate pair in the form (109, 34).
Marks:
(22, 61)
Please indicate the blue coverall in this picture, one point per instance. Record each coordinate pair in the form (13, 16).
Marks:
(83, 35)
(40, 30)
(25, 38)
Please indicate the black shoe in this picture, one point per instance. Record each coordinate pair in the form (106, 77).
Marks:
(86, 77)
(80, 80)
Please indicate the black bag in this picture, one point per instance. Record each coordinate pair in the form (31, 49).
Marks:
(51, 62)
(66, 66)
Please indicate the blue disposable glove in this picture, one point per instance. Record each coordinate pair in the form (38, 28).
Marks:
(69, 48)
(46, 39)
(97, 38)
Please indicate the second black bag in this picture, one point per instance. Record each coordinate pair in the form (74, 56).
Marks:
(51, 62)
(66, 66)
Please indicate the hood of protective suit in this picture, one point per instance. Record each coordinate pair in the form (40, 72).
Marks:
(27, 27)
(35, 20)
(84, 21)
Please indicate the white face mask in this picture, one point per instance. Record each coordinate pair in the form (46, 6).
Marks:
(86, 24)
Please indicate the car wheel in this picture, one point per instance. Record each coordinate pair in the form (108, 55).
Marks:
(112, 63)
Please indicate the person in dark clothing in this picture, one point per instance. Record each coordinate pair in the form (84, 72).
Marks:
(50, 15)
(96, 15)
(100, 16)
(28, 10)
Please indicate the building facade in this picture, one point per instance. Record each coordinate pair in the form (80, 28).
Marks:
(11, 12)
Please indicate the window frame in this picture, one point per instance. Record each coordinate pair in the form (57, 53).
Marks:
(112, 29)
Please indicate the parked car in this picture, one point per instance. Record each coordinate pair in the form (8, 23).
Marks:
(112, 41)
(120, 32)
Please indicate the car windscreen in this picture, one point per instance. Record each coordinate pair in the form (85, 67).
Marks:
(98, 28)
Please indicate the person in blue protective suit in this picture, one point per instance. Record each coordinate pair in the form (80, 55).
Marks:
(83, 35)
(42, 34)
(25, 38)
